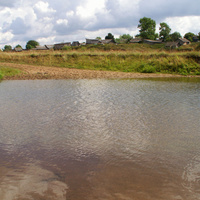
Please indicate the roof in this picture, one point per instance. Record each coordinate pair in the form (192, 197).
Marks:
(18, 49)
(66, 43)
(136, 40)
(152, 41)
(184, 40)
(49, 46)
(171, 44)
(75, 43)
(40, 48)
(107, 41)
(92, 41)
(59, 46)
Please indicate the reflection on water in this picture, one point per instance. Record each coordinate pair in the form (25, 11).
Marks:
(100, 139)
(31, 182)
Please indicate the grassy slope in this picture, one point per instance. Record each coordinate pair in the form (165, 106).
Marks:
(125, 57)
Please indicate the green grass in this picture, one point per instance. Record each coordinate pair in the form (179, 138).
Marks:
(7, 71)
(142, 58)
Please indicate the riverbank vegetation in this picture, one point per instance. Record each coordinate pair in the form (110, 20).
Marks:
(8, 72)
(141, 58)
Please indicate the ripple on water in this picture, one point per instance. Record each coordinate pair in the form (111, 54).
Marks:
(123, 138)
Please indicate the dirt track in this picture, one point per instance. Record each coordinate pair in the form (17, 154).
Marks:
(42, 72)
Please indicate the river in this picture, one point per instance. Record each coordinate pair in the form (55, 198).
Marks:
(100, 139)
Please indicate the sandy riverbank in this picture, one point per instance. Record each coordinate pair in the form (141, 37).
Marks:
(42, 72)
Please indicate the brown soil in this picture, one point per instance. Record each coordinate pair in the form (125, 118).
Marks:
(43, 72)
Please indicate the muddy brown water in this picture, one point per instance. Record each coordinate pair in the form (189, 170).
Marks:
(100, 139)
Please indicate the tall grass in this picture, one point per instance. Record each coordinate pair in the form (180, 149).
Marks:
(127, 58)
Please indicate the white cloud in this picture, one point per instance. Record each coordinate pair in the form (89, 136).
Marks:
(30, 16)
(7, 3)
(90, 9)
(70, 13)
(44, 7)
(129, 7)
(65, 20)
(5, 14)
(62, 22)
(7, 36)
(46, 40)
(184, 24)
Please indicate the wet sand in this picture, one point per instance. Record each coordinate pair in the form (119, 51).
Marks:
(43, 72)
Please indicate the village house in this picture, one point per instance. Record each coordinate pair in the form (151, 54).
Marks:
(136, 40)
(151, 42)
(75, 44)
(59, 46)
(17, 49)
(171, 45)
(107, 41)
(93, 41)
(183, 41)
(39, 48)
(49, 46)
(45, 47)
(178, 43)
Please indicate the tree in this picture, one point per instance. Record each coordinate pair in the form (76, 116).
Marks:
(189, 36)
(174, 36)
(109, 36)
(31, 44)
(98, 38)
(18, 46)
(164, 31)
(126, 36)
(147, 28)
(7, 48)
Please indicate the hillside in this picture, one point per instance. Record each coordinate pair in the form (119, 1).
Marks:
(132, 58)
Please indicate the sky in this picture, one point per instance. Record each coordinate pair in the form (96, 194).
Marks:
(55, 21)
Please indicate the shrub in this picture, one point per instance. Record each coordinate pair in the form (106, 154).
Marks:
(66, 48)
(34, 55)
(197, 47)
(146, 68)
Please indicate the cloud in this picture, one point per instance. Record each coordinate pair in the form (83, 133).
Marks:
(78, 19)
(61, 26)
(184, 24)
(70, 13)
(160, 9)
(5, 37)
(43, 7)
(7, 3)
(90, 9)
(18, 26)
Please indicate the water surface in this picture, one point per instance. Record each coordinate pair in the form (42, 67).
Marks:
(100, 139)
